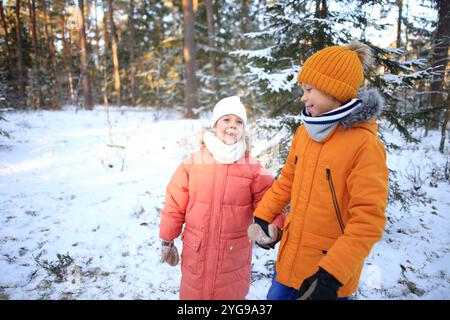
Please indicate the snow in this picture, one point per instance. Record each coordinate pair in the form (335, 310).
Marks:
(284, 80)
(69, 185)
(399, 79)
(261, 53)
(413, 257)
(252, 35)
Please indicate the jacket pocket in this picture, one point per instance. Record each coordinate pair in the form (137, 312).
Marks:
(287, 221)
(285, 234)
(313, 248)
(315, 241)
(190, 254)
(237, 254)
(335, 200)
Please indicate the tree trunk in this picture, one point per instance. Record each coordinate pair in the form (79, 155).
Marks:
(444, 125)
(67, 58)
(36, 79)
(189, 58)
(114, 41)
(195, 7)
(97, 37)
(33, 35)
(98, 65)
(245, 17)
(211, 34)
(9, 53)
(321, 13)
(52, 63)
(218, 23)
(88, 104)
(399, 23)
(48, 37)
(19, 53)
(406, 28)
(439, 59)
(132, 64)
(105, 55)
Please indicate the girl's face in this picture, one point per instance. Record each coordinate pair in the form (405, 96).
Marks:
(316, 101)
(229, 129)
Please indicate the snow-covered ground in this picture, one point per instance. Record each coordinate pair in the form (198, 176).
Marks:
(80, 203)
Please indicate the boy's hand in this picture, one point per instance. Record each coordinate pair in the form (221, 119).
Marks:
(320, 286)
(264, 234)
(169, 253)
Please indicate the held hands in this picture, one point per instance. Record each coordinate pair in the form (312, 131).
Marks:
(320, 286)
(264, 234)
(169, 253)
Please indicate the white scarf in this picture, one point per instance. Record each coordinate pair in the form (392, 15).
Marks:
(222, 152)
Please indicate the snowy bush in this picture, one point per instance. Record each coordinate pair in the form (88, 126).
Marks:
(58, 267)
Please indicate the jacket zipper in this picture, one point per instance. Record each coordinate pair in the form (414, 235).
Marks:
(220, 227)
(335, 202)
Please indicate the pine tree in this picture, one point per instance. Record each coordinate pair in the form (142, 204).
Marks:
(294, 30)
(158, 57)
(224, 74)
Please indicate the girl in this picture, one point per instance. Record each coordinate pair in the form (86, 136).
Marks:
(213, 194)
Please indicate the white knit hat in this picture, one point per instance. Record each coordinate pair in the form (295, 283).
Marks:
(229, 105)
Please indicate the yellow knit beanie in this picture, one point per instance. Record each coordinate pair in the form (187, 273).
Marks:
(338, 70)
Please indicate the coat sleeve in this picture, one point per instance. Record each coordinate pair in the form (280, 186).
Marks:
(279, 195)
(262, 182)
(177, 198)
(367, 185)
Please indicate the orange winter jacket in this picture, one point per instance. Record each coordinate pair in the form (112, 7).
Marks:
(215, 203)
(337, 189)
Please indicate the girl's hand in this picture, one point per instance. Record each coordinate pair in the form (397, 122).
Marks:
(169, 253)
(264, 234)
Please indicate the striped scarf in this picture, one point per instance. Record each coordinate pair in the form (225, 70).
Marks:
(319, 127)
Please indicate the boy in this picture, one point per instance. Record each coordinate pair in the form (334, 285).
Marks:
(335, 178)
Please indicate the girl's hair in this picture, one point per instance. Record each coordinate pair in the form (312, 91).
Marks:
(364, 53)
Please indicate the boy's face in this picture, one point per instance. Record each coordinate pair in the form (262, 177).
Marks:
(316, 101)
(229, 129)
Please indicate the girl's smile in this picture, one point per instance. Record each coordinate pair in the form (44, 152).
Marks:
(229, 129)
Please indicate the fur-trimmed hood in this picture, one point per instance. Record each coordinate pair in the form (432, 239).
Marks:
(372, 104)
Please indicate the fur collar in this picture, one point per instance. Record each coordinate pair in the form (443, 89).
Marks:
(372, 103)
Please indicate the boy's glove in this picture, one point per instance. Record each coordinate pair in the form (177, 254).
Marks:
(264, 234)
(169, 253)
(320, 286)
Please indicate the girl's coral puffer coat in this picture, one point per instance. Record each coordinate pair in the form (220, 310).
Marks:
(215, 203)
